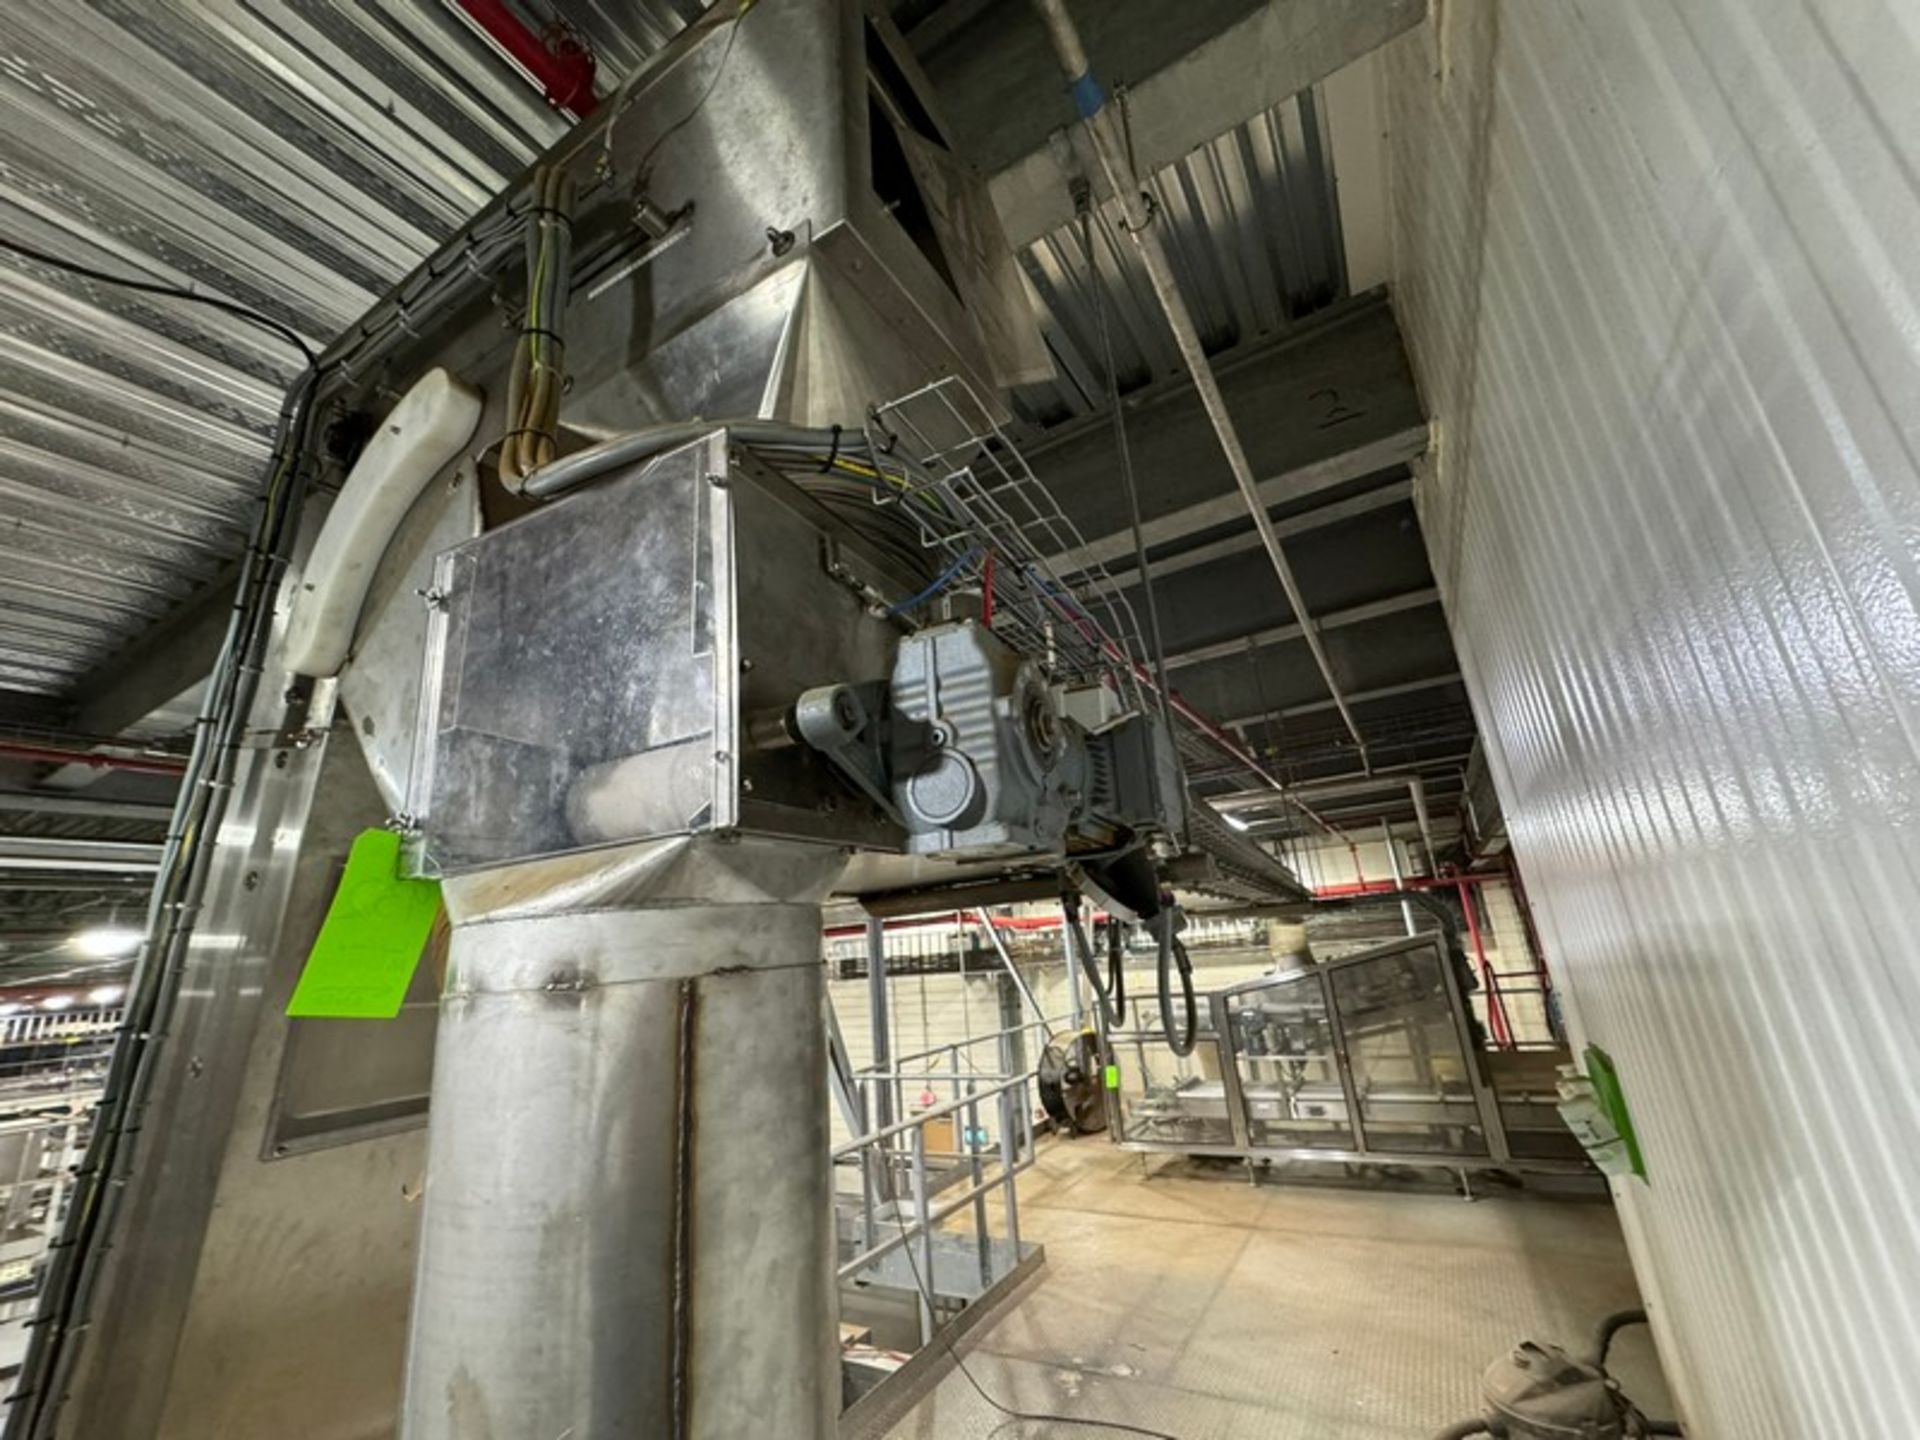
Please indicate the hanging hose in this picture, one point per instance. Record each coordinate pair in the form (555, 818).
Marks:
(1117, 972)
(1082, 954)
(1173, 956)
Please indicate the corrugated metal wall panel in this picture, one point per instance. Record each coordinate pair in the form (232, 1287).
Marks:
(1655, 263)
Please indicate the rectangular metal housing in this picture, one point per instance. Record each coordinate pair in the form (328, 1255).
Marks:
(595, 671)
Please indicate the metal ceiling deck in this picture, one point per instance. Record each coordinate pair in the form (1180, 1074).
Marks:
(1254, 231)
(297, 159)
(300, 159)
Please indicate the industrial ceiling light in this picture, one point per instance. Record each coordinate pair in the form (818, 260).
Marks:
(1236, 822)
(57, 1002)
(108, 942)
(106, 994)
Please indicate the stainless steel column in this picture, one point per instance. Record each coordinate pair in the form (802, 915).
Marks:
(880, 1024)
(627, 1228)
(1399, 881)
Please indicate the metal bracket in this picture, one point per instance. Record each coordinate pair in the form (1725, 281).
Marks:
(842, 722)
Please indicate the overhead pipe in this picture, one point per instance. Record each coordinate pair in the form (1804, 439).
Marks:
(1421, 882)
(48, 852)
(558, 63)
(1399, 880)
(53, 752)
(1111, 150)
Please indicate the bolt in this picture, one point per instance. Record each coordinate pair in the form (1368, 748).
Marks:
(745, 665)
(718, 482)
(251, 880)
(779, 241)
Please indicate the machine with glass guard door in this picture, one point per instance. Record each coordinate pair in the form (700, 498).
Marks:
(1373, 1057)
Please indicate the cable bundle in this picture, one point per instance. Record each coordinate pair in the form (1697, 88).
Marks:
(538, 374)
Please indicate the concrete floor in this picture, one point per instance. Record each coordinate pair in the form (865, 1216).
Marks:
(1180, 1298)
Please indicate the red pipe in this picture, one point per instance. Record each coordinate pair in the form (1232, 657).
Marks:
(561, 65)
(1418, 882)
(1536, 953)
(52, 753)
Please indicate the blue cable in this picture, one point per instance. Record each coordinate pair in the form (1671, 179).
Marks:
(946, 578)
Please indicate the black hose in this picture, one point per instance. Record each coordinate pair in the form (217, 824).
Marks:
(1609, 1327)
(1173, 954)
(1076, 938)
(1664, 1427)
(1117, 972)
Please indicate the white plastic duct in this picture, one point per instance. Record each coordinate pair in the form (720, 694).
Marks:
(418, 438)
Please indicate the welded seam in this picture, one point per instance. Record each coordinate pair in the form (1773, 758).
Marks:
(681, 1323)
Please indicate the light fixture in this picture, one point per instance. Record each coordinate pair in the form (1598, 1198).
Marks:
(11, 1007)
(108, 942)
(57, 1002)
(1236, 822)
(105, 994)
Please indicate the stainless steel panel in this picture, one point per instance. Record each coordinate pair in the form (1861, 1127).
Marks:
(379, 687)
(628, 1218)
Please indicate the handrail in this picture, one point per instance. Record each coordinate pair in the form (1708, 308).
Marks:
(1057, 1022)
(937, 1112)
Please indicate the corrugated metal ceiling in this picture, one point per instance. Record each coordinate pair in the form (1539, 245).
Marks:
(1255, 235)
(297, 159)
(300, 159)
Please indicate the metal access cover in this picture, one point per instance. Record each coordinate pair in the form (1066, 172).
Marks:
(569, 698)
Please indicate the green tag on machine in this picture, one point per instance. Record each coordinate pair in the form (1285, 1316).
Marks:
(1595, 1109)
(370, 943)
(1113, 1077)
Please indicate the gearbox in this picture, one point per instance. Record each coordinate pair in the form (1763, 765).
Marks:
(977, 757)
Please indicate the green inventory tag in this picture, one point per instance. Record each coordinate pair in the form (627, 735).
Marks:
(1606, 1088)
(1113, 1077)
(370, 942)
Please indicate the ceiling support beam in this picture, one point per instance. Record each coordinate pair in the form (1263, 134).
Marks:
(1358, 697)
(1317, 411)
(1193, 71)
(165, 663)
(1394, 492)
(1283, 634)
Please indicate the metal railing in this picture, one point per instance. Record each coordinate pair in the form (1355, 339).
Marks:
(897, 1209)
(36, 1027)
